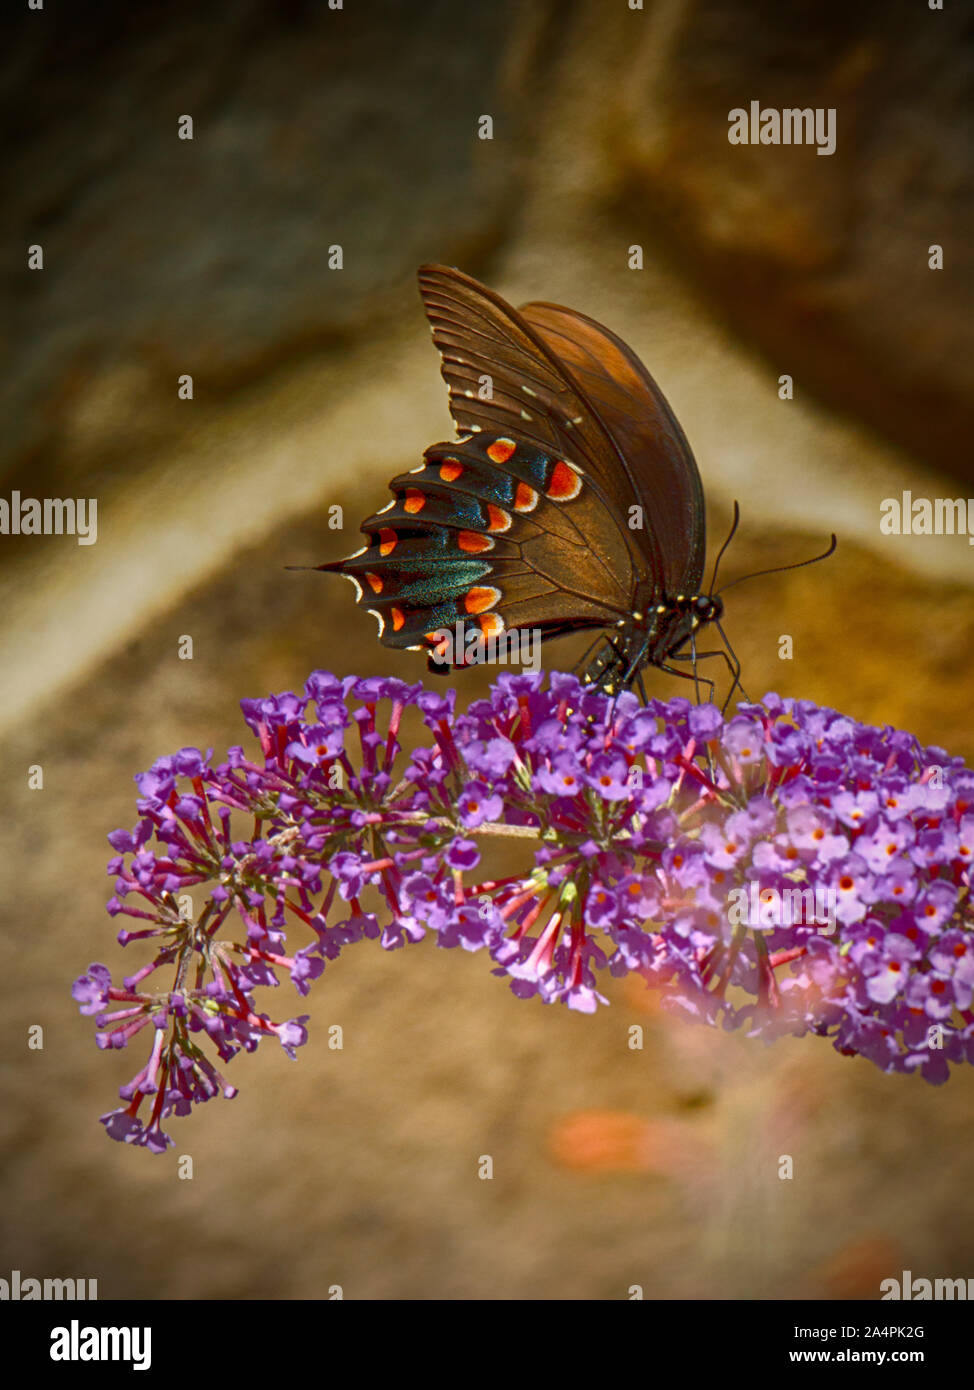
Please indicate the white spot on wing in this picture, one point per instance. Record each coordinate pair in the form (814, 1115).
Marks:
(352, 580)
(379, 619)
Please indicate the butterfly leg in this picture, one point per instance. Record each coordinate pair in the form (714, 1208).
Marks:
(690, 675)
(733, 666)
(635, 664)
(736, 669)
(697, 679)
(694, 656)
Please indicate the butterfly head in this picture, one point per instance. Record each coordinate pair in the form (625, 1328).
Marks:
(674, 620)
(702, 608)
(681, 618)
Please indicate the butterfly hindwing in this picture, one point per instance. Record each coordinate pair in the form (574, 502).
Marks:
(486, 533)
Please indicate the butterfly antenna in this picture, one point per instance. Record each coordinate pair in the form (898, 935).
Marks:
(778, 569)
(730, 537)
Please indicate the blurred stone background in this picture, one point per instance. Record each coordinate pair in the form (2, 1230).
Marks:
(315, 127)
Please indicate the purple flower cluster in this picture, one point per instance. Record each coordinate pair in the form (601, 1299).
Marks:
(786, 870)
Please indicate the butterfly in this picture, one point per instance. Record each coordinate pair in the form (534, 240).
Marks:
(570, 501)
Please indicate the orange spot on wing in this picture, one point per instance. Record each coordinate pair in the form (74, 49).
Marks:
(491, 624)
(415, 501)
(479, 599)
(498, 519)
(564, 482)
(525, 498)
(450, 470)
(473, 542)
(398, 618)
(501, 450)
(374, 582)
(387, 541)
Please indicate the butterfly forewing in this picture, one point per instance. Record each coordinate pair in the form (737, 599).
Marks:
(656, 460)
(503, 379)
(563, 381)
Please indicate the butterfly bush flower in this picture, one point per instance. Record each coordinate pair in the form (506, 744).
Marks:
(786, 870)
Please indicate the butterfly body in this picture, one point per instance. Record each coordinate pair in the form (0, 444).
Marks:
(657, 632)
(571, 500)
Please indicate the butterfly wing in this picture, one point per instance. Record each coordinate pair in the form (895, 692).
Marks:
(565, 383)
(494, 534)
(528, 521)
(656, 457)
